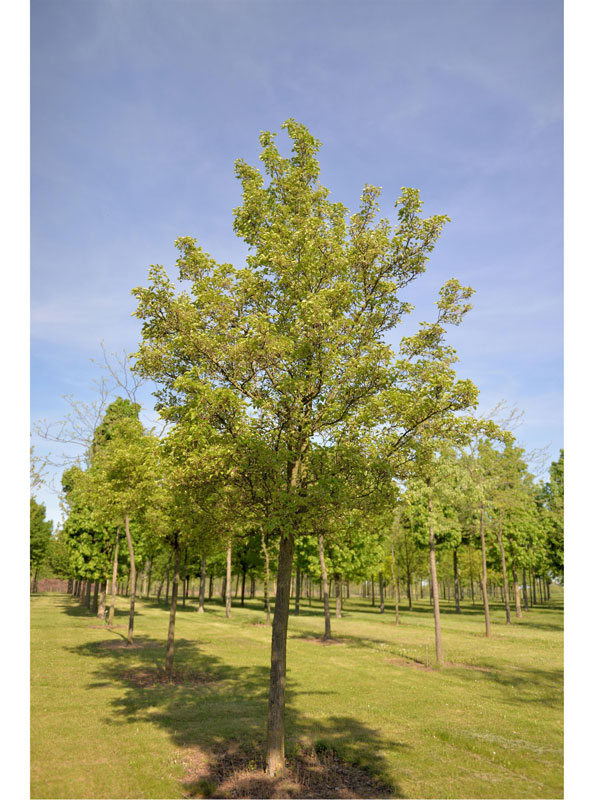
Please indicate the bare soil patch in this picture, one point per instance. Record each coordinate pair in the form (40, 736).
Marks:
(156, 676)
(229, 773)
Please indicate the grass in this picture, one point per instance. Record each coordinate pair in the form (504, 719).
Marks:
(489, 724)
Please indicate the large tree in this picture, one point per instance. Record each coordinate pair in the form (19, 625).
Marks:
(297, 337)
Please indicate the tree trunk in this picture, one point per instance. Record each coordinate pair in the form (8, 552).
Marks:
(434, 585)
(297, 598)
(88, 593)
(409, 589)
(327, 634)
(486, 607)
(132, 581)
(381, 601)
(228, 582)
(95, 597)
(168, 572)
(504, 577)
(516, 591)
(276, 710)
(111, 613)
(267, 577)
(395, 585)
(338, 596)
(525, 601)
(149, 584)
(102, 599)
(533, 587)
(210, 586)
(456, 582)
(372, 591)
(202, 586)
(243, 586)
(171, 635)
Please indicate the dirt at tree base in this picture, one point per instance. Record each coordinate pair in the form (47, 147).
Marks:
(158, 677)
(230, 772)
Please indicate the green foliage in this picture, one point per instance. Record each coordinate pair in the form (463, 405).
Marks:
(40, 534)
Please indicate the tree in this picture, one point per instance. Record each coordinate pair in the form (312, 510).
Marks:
(124, 474)
(297, 338)
(40, 534)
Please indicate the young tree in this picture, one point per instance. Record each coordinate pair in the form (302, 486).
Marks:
(297, 337)
(40, 535)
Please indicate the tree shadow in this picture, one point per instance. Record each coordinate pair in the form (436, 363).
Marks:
(529, 685)
(215, 712)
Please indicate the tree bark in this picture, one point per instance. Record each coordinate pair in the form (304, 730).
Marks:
(486, 607)
(276, 711)
(243, 586)
(267, 577)
(456, 582)
(516, 591)
(434, 585)
(504, 576)
(202, 586)
(327, 634)
(88, 593)
(297, 598)
(533, 587)
(111, 613)
(228, 582)
(381, 601)
(132, 581)
(102, 599)
(395, 585)
(525, 601)
(95, 597)
(373, 591)
(171, 634)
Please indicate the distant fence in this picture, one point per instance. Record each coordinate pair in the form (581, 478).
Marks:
(52, 585)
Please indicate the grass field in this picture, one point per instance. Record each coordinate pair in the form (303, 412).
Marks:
(487, 725)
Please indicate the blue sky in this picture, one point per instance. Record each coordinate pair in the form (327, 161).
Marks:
(140, 107)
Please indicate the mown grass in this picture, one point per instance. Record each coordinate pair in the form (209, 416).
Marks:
(489, 724)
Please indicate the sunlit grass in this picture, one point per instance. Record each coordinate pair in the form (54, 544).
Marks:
(488, 724)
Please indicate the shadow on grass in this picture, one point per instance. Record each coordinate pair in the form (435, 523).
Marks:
(529, 685)
(215, 712)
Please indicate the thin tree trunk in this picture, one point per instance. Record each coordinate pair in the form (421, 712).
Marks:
(436, 597)
(486, 607)
(132, 581)
(372, 591)
(210, 585)
(267, 577)
(88, 593)
(111, 613)
(276, 710)
(102, 599)
(533, 587)
(297, 599)
(202, 586)
(171, 634)
(228, 582)
(381, 601)
(504, 576)
(409, 589)
(456, 582)
(149, 585)
(168, 573)
(516, 591)
(95, 598)
(395, 585)
(243, 586)
(324, 583)
(525, 600)
(338, 596)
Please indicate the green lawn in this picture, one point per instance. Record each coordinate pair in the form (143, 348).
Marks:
(487, 725)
